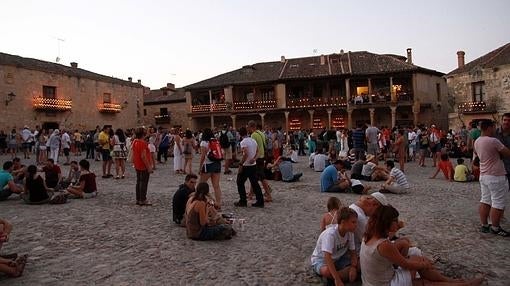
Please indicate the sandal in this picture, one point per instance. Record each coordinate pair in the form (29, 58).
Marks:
(20, 262)
(145, 203)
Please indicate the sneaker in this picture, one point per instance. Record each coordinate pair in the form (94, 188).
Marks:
(499, 231)
(485, 228)
(258, 205)
(241, 204)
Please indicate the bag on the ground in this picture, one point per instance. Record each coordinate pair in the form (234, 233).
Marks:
(224, 142)
(214, 153)
(58, 199)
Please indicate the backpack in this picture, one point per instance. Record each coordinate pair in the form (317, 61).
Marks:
(224, 142)
(214, 154)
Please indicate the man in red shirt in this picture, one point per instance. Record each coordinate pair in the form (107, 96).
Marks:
(142, 160)
(52, 174)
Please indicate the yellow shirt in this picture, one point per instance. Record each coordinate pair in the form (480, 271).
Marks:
(461, 172)
(260, 138)
(104, 140)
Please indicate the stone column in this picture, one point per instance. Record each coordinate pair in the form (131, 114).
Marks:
(212, 121)
(281, 96)
(233, 117)
(287, 121)
(349, 118)
(262, 115)
(311, 111)
(393, 116)
(369, 90)
(329, 110)
(392, 93)
(372, 115)
(347, 90)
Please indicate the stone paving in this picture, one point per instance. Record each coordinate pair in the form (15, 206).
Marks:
(111, 241)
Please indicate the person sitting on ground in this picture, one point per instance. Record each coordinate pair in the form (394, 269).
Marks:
(475, 168)
(36, 191)
(12, 265)
(87, 188)
(7, 185)
(372, 172)
(446, 166)
(181, 197)
(18, 171)
(73, 177)
(379, 255)
(52, 174)
(311, 159)
(334, 256)
(319, 161)
(331, 181)
(357, 168)
(330, 218)
(199, 226)
(292, 154)
(284, 165)
(462, 173)
(397, 182)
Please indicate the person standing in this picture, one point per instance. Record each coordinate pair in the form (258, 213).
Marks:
(260, 138)
(503, 134)
(28, 138)
(66, 145)
(119, 153)
(372, 142)
(493, 180)
(210, 169)
(142, 162)
(248, 170)
(178, 153)
(104, 145)
(358, 141)
(54, 144)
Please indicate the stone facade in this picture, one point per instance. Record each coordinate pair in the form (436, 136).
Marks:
(87, 96)
(166, 107)
(479, 89)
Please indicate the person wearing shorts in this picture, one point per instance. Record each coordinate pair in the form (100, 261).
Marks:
(493, 180)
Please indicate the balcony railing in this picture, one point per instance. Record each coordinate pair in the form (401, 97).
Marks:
(52, 104)
(317, 102)
(475, 107)
(162, 119)
(209, 107)
(255, 104)
(109, 107)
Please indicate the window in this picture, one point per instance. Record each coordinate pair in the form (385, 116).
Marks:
(107, 98)
(145, 112)
(478, 91)
(438, 91)
(49, 92)
(163, 111)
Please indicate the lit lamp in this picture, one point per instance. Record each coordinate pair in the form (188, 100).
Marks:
(10, 96)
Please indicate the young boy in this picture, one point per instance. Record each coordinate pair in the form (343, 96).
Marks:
(462, 173)
(446, 166)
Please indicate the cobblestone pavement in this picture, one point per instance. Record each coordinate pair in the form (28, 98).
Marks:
(111, 241)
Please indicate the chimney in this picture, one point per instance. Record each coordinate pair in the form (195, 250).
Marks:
(460, 58)
(323, 60)
(170, 86)
(130, 79)
(282, 59)
(409, 55)
(139, 81)
(74, 65)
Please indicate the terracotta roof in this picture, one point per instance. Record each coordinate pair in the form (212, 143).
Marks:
(48, 67)
(360, 63)
(497, 57)
(164, 95)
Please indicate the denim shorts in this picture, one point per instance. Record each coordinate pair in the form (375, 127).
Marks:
(214, 167)
(342, 262)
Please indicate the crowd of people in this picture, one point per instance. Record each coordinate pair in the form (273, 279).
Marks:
(344, 158)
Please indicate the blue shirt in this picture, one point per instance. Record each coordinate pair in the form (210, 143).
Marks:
(286, 170)
(329, 177)
(358, 139)
(5, 177)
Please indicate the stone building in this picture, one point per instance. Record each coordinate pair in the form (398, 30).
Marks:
(479, 89)
(51, 95)
(336, 90)
(166, 107)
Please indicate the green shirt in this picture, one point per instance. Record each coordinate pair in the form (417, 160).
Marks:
(260, 138)
(475, 133)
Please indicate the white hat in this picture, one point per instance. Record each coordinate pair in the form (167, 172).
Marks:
(380, 198)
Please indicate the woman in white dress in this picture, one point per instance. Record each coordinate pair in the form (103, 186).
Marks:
(178, 154)
(344, 145)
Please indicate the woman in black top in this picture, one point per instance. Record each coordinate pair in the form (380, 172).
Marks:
(36, 191)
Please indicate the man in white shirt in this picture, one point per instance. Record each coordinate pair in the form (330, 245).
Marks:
(66, 145)
(248, 171)
(28, 138)
(411, 136)
(319, 161)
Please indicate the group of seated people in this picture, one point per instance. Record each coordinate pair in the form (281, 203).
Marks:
(194, 209)
(33, 189)
(361, 241)
(460, 173)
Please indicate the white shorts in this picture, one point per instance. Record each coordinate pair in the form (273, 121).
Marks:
(494, 191)
(152, 148)
(402, 277)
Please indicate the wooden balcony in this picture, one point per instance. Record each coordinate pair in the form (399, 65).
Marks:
(316, 102)
(255, 104)
(52, 104)
(474, 107)
(109, 107)
(208, 107)
(162, 119)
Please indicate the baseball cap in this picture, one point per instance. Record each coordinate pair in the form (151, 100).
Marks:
(380, 198)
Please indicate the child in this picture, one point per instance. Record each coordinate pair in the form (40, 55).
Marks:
(334, 256)
(462, 172)
(330, 218)
(476, 169)
(446, 166)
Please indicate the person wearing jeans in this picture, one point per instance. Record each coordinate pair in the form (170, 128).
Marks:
(143, 166)
(248, 171)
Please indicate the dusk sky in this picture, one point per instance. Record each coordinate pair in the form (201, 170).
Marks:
(188, 41)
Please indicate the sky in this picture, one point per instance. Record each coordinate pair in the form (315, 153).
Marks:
(187, 41)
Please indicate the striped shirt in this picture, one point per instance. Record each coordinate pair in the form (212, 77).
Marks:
(358, 139)
(400, 178)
